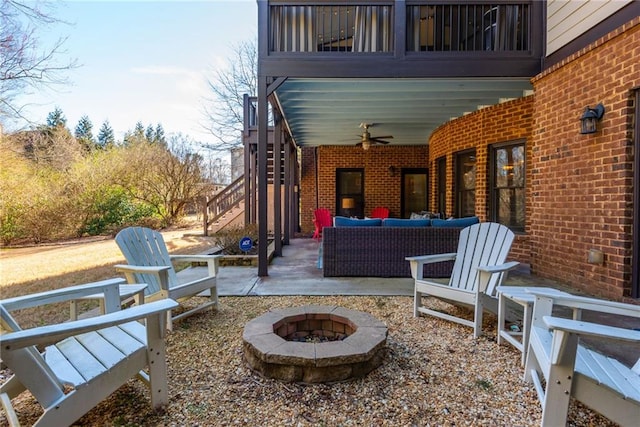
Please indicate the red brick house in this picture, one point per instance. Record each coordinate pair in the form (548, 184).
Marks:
(479, 106)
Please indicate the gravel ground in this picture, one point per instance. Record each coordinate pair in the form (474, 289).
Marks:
(434, 374)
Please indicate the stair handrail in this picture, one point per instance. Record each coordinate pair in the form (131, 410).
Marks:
(222, 202)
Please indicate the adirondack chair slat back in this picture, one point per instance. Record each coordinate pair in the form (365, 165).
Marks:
(323, 217)
(380, 212)
(145, 247)
(483, 244)
(28, 364)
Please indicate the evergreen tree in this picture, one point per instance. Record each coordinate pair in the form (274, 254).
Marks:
(160, 137)
(106, 138)
(84, 133)
(56, 118)
(150, 134)
(135, 136)
(138, 131)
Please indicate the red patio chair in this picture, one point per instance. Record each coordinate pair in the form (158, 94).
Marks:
(380, 212)
(321, 218)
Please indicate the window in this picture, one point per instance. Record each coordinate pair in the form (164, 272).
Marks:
(507, 181)
(466, 184)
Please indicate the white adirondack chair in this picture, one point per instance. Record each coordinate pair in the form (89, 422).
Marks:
(570, 369)
(150, 263)
(90, 358)
(479, 267)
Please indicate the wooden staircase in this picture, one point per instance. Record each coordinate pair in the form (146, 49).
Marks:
(226, 208)
(230, 218)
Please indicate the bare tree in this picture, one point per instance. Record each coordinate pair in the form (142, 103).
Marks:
(224, 110)
(24, 63)
(166, 178)
(216, 170)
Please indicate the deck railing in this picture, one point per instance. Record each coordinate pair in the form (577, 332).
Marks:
(371, 27)
(468, 27)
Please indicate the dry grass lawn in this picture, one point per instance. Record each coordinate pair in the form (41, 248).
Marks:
(32, 269)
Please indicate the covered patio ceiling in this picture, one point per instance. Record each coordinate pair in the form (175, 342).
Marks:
(328, 111)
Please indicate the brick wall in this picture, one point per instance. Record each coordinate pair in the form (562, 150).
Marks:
(582, 184)
(308, 194)
(382, 187)
(504, 122)
(579, 187)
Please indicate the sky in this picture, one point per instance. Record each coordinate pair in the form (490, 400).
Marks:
(146, 61)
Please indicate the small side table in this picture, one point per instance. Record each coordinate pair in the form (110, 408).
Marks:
(520, 296)
(135, 291)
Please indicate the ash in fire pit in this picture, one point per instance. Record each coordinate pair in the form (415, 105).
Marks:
(314, 344)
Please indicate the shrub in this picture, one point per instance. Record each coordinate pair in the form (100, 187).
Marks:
(113, 210)
(229, 239)
(10, 225)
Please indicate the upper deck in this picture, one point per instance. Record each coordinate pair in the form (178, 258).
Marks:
(401, 38)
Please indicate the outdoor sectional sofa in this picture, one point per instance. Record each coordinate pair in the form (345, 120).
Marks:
(377, 248)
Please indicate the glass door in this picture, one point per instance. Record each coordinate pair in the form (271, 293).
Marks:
(350, 192)
(414, 197)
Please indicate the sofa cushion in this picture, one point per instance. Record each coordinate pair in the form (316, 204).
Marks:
(403, 222)
(455, 222)
(341, 221)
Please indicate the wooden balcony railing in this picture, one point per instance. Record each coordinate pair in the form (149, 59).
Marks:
(468, 27)
(371, 27)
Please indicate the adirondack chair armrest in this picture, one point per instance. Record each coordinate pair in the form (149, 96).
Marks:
(213, 261)
(417, 263)
(109, 287)
(578, 303)
(162, 272)
(493, 269)
(426, 259)
(141, 269)
(597, 330)
(48, 334)
(487, 271)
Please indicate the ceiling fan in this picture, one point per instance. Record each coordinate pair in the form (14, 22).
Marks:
(366, 140)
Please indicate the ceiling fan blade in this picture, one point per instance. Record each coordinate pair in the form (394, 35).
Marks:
(382, 137)
(379, 141)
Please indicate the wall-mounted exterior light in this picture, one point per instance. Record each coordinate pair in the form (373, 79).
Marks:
(590, 118)
(595, 256)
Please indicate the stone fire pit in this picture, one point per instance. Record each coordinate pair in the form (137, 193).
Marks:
(314, 344)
